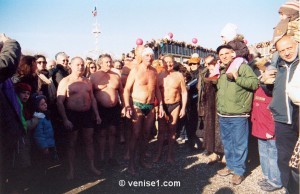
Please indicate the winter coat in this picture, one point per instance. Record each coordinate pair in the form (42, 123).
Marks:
(261, 116)
(44, 134)
(281, 105)
(235, 97)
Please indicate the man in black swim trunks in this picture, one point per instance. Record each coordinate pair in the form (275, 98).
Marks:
(76, 104)
(108, 90)
(142, 86)
(174, 96)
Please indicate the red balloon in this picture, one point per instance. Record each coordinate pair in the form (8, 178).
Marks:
(245, 41)
(139, 41)
(194, 40)
(170, 34)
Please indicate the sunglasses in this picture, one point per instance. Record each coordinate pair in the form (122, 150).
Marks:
(92, 67)
(190, 64)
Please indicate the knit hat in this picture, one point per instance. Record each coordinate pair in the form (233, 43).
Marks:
(20, 87)
(291, 9)
(229, 31)
(37, 99)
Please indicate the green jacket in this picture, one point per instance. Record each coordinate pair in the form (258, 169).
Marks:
(235, 97)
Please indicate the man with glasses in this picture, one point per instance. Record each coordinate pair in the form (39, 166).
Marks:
(62, 68)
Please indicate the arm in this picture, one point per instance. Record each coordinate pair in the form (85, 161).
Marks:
(61, 96)
(184, 96)
(94, 104)
(9, 57)
(127, 89)
(158, 96)
(246, 78)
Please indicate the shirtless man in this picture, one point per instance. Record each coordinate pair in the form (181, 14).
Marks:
(174, 97)
(142, 85)
(126, 123)
(108, 88)
(76, 104)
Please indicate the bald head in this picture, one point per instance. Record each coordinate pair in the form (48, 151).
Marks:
(287, 48)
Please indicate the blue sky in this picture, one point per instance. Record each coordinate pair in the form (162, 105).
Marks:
(49, 26)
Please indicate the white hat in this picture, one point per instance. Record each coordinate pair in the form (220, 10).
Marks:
(147, 51)
(229, 31)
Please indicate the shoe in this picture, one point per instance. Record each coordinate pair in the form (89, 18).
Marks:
(237, 179)
(268, 187)
(262, 182)
(224, 172)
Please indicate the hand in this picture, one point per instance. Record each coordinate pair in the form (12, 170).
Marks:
(68, 125)
(182, 113)
(123, 112)
(161, 112)
(128, 112)
(268, 136)
(268, 75)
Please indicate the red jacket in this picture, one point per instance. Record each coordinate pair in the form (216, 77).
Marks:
(261, 117)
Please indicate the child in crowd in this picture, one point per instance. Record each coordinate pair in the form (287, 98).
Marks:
(263, 127)
(236, 41)
(44, 134)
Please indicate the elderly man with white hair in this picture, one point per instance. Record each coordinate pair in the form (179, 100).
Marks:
(142, 87)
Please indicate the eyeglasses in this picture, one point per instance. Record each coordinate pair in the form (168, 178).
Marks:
(41, 62)
(190, 64)
(65, 60)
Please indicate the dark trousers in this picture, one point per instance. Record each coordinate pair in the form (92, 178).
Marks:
(286, 138)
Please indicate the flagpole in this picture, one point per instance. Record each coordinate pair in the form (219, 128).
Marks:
(96, 30)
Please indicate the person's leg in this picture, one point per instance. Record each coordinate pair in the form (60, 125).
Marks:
(162, 128)
(172, 132)
(263, 157)
(240, 133)
(101, 139)
(128, 132)
(226, 137)
(135, 136)
(286, 138)
(87, 134)
(145, 138)
(274, 173)
(72, 138)
(112, 140)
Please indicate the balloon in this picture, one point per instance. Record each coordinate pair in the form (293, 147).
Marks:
(194, 40)
(139, 41)
(170, 34)
(245, 41)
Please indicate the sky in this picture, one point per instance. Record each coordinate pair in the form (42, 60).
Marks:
(49, 26)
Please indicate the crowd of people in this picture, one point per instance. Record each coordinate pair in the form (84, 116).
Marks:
(46, 105)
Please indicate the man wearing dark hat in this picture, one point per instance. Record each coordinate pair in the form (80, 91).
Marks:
(234, 100)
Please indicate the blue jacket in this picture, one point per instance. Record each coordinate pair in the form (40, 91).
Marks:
(281, 106)
(43, 134)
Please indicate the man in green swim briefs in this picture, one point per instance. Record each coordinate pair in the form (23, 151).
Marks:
(142, 87)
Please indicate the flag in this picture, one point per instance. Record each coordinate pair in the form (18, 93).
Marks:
(94, 12)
